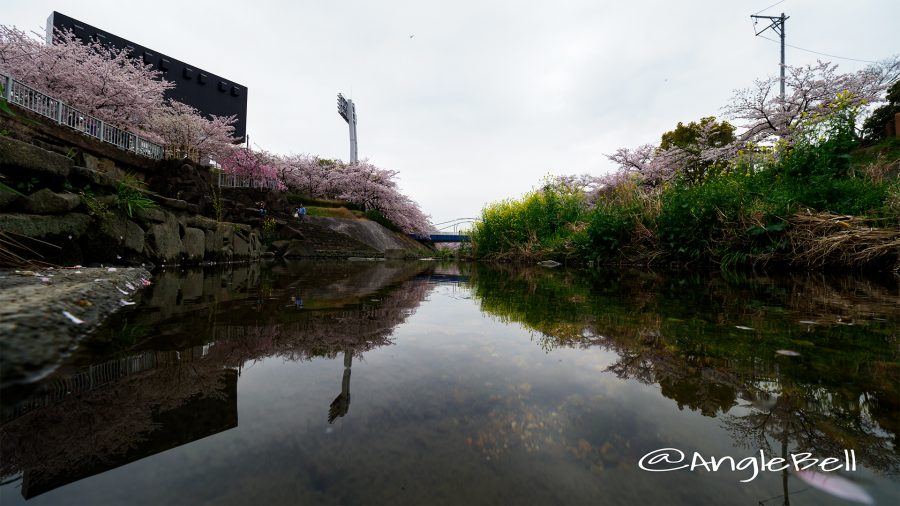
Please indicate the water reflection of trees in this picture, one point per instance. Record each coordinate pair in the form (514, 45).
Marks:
(178, 384)
(680, 333)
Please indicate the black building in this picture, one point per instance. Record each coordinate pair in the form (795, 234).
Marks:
(208, 93)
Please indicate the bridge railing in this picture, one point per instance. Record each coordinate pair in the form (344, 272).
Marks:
(26, 97)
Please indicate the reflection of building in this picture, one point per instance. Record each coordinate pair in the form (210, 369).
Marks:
(200, 416)
(208, 93)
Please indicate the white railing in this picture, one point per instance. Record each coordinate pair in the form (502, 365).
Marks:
(27, 97)
(235, 181)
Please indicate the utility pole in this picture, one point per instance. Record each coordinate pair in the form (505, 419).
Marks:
(777, 26)
(347, 110)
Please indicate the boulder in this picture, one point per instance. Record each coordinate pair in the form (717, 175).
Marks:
(45, 201)
(134, 237)
(19, 155)
(151, 214)
(103, 166)
(94, 177)
(241, 246)
(32, 225)
(201, 222)
(7, 198)
(164, 239)
(194, 243)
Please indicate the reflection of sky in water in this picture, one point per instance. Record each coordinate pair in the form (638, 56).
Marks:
(461, 409)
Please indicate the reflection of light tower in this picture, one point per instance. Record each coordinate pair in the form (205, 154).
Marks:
(347, 110)
(341, 404)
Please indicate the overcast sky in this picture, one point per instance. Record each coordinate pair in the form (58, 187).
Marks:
(475, 101)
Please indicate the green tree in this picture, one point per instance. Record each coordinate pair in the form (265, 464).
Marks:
(874, 127)
(694, 149)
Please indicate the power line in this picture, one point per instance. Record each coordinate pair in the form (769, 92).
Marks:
(819, 53)
(769, 7)
(777, 26)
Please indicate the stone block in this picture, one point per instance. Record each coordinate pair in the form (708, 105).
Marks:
(164, 239)
(20, 155)
(152, 214)
(134, 237)
(194, 243)
(45, 201)
(8, 198)
(201, 222)
(241, 246)
(34, 225)
(94, 177)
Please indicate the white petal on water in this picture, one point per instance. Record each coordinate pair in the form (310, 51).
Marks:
(126, 303)
(129, 286)
(743, 327)
(123, 291)
(111, 269)
(70, 316)
(808, 322)
(788, 353)
(836, 485)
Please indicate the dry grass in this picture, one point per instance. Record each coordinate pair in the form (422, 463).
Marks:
(820, 239)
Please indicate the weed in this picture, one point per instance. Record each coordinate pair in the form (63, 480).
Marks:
(95, 207)
(131, 196)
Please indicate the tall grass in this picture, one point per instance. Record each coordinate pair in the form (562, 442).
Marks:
(742, 215)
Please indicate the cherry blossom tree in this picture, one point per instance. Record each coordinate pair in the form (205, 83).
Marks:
(811, 89)
(183, 126)
(100, 80)
(243, 162)
(107, 82)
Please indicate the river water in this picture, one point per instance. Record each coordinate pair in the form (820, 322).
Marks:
(422, 383)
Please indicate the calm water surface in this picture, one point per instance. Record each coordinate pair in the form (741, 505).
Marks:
(417, 383)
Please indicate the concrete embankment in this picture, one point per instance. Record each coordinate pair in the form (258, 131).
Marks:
(44, 313)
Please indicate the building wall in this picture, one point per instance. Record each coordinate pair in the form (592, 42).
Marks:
(207, 92)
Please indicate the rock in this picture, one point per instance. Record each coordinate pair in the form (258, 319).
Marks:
(35, 331)
(151, 214)
(549, 263)
(268, 255)
(31, 225)
(134, 237)
(194, 243)
(289, 233)
(103, 166)
(255, 245)
(94, 177)
(7, 198)
(201, 222)
(241, 246)
(17, 155)
(296, 249)
(45, 201)
(164, 239)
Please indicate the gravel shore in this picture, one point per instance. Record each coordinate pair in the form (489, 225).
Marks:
(44, 313)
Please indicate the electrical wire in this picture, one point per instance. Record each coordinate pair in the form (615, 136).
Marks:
(767, 8)
(817, 52)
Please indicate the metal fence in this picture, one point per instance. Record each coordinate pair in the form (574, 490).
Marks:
(235, 181)
(27, 97)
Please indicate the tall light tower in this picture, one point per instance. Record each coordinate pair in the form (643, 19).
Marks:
(348, 111)
(777, 26)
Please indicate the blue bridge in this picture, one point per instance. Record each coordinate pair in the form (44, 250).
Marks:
(440, 235)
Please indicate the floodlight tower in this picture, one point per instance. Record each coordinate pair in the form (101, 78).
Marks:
(347, 110)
